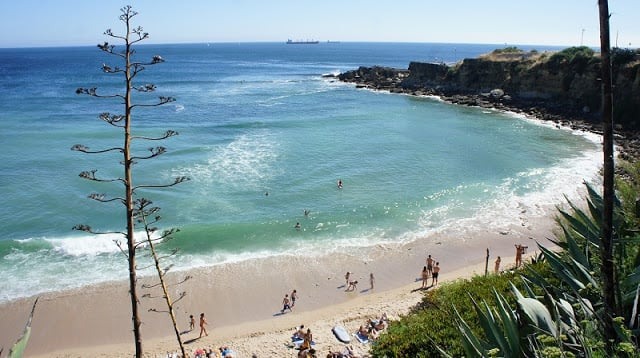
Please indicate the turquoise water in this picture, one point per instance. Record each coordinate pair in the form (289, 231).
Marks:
(256, 119)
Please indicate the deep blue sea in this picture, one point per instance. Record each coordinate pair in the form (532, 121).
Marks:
(258, 118)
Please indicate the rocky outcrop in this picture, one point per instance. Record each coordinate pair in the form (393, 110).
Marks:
(562, 87)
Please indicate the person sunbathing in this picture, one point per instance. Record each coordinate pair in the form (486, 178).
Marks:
(374, 334)
(347, 352)
(379, 325)
(383, 317)
(362, 331)
(226, 352)
(299, 333)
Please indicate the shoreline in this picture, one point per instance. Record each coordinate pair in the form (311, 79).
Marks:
(243, 301)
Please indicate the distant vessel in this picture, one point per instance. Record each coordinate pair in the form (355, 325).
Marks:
(300, 42)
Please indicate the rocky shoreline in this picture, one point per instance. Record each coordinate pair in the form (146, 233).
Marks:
(399, 81)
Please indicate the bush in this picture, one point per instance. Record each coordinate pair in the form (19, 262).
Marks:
(575, 59)
(510, 49)
(433, 322)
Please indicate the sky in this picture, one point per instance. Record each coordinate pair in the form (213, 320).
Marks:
(37, 23)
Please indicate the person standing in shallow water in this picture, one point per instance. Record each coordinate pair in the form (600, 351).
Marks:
(203, 325)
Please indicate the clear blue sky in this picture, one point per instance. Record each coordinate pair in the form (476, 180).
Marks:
(29, 23)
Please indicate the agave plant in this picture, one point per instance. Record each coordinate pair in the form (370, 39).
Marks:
(564, 319)
(582, 237)
(17, 351)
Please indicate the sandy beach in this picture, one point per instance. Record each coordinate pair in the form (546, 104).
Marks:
(242, 302)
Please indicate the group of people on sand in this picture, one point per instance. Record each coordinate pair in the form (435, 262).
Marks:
(352, 285)
(222, 352)
(288, 302)
(430, 270)
(304, 335)
(520, 250)
(203, 324)
(372, 328)
(346, 352)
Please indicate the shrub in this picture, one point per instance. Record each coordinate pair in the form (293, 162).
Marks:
(433, 322)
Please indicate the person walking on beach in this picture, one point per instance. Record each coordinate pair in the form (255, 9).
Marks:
(347, 276)
(203, 325)
(496, 268)
(430, 264)
(425, 277)
(192, 322)
(435, 274)
(294, 297)
(372, 280)
(286, 304)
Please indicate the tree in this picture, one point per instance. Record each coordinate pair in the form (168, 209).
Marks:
(606, 248)
(123, 121)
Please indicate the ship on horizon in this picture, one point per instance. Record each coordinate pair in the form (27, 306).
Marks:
(302, 42)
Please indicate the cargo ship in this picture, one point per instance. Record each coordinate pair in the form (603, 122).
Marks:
(300, 42)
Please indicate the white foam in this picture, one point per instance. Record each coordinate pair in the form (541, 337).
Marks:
(246, 162)
(92, 245)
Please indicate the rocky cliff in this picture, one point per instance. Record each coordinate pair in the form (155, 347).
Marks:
(558, 86)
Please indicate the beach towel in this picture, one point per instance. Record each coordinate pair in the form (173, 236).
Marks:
(362, 339)
(229, 353)
(295, 343)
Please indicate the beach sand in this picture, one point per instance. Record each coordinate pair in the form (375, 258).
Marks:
(242, 302)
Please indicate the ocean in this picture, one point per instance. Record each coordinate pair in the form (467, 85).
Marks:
(264, 137)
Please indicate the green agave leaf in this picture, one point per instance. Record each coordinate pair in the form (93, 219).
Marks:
(584, 273)
(538, 315)
(574, 249)
(527, 287)
(535, 278)
(491, 327)
(472, 345)
(577, 223)
(515, 291)
(509, 325)
(566, 312)
(561, 269)
(18, 348)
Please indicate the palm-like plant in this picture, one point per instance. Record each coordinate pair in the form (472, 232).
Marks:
(565, 319)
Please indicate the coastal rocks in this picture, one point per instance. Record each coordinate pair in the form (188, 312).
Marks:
(379, 78)
(516, 81)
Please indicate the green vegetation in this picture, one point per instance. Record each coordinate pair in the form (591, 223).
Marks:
(432, 322)
(551, 308)
(623, 56)
(509, 49)
(575, 59)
